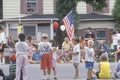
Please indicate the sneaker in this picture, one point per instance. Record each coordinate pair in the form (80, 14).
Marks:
(55, 78)
(48, 77)
(76, 77)
(92, 78)
(115, 61)
(88, 79)
(43, 78)
(112, 53)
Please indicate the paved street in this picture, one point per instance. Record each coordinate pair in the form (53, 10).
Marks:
(64, 71)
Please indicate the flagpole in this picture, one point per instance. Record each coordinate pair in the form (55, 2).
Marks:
(19, 12)
(19, 26)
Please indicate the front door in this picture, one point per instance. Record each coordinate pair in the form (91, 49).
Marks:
(30, 30)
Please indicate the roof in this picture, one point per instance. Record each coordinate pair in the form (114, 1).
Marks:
(82, 17)
(37, 16)
(94, 16)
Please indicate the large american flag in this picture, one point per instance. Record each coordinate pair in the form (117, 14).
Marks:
(68, 21)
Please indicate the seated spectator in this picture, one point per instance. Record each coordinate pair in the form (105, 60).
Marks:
(66, 45)
(104, 68)
(89, 35)
(117, 70)
(117, 53)
(103, 49)
(12, 69)
(82, 42)
(36, 56)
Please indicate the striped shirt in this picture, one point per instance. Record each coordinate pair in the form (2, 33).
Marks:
(12, 68)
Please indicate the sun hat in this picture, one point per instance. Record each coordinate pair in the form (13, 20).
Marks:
(44, 35)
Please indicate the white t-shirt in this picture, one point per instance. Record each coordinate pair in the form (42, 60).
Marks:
(2, 38)
(44, 47)
(54, 55)
(118, 47)
(21, 48)
(89, 54)
(116, 37)
(76, 57)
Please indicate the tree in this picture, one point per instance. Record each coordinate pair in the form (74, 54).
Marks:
(116, 13)
(63, 7)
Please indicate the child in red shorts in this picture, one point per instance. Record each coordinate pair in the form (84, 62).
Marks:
(46, 52)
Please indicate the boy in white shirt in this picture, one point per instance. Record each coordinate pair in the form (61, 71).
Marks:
(89, 58)
(76, 56)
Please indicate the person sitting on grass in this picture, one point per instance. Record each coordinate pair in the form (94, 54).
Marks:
(103, 49)
(12, 69)
(117, 53)
(36, 56)
(104, 68)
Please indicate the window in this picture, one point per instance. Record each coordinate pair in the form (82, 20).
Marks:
(13, 30)
(31, 6)
(100, 34)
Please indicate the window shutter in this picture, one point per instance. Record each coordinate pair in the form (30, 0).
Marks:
(23, 7)
(39, 6)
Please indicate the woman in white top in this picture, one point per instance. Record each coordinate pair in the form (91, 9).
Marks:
(2, 45)
(115, 38)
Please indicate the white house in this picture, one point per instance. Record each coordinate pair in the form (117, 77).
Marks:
(37, 17)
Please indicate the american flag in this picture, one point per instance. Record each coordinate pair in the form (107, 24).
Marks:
(68, 21)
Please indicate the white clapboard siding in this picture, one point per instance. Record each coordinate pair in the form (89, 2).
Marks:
(11, 8)
(48, 7)
(112, 2)
(81, 8)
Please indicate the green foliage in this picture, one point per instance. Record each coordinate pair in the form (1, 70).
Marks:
(63, 7)
(116, 13)
(117, 25)
(76, 23)
(97, 4)
(116, 10)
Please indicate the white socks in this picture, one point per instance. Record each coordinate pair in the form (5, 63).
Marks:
(0, 61)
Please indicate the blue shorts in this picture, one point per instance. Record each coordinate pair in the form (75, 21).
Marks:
(89, 65)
